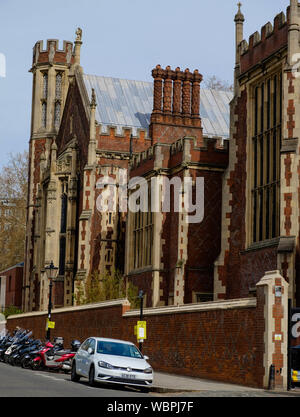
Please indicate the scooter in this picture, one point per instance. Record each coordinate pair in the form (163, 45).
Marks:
(18, 341)
(50, 357)
(6, 342)
(29, 346)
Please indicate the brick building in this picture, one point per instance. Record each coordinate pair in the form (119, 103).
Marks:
(11, 281)
(87, 129)
(260, 220)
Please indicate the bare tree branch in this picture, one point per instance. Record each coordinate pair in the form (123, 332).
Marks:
(13, 203)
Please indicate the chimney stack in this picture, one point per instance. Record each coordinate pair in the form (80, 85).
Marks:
(176, 98)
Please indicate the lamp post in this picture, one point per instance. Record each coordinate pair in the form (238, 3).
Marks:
(51, 272)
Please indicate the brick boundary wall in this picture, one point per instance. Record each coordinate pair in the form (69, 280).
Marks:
(216, 341)
(226, 341)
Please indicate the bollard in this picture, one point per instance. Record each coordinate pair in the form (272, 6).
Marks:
(272, 378)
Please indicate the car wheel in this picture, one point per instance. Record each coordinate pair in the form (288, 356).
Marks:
(74, 376)
(92, 376)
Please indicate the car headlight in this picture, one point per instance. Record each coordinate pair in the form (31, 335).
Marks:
(148, 370)
(106, 365)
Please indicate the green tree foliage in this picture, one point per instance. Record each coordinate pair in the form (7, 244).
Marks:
(11, 311)
(103, 287)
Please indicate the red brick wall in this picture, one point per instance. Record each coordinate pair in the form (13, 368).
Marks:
(222, 345)
(14, 282)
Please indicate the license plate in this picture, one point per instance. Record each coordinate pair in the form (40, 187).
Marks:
(128, 376)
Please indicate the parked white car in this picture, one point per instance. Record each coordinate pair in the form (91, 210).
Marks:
(112, 361)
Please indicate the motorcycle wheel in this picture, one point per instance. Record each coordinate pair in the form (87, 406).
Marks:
(26, 363)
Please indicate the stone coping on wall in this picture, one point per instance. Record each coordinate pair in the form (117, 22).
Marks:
(105, 304)
(194, 308)
(185, 308)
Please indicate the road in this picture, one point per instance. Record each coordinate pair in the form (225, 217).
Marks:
(18, 382)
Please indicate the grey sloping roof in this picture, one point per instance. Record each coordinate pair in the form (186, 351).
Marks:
(128, 103)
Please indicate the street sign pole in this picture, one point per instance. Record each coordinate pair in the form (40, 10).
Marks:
(141, 296)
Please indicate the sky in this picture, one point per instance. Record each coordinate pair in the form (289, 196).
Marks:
(121, 38)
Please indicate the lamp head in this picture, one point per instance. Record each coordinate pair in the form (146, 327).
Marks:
(51, 271)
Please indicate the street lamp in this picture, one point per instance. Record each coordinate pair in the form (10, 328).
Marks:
(51, 272)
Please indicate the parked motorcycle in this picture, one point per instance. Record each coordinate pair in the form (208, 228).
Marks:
(18, 341)
(4, 345)
(8, 341)
(55, 358)
(29, 346)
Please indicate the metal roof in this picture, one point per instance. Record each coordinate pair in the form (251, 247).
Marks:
(128, 103)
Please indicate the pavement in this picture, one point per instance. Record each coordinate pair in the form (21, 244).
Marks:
(170, 383)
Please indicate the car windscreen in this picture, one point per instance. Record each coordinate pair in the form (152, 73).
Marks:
(118, 349)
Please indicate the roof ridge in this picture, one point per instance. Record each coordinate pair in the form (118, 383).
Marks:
(150, 82)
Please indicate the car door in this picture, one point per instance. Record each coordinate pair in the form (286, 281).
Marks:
(88, 357)
(81, 357)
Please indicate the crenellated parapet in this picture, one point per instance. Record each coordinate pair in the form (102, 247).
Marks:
(114, 131)
(213, 151)
(52, 54)
(261, 44)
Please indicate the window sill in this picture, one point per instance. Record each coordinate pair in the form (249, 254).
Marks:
(262, 245)
(141, 270)
(283, 244)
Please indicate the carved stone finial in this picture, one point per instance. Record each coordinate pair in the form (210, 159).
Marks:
(78, 34)
(239, 17)
(93, 99)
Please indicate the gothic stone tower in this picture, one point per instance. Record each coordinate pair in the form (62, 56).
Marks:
(51, 68)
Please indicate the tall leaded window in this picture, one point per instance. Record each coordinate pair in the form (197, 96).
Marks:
(45, 85)
(58, 95)
(44, 114)
(266, 158)
(63, 227)
(58, 85)
(143, 237)
(57, 114)
(44, 99)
